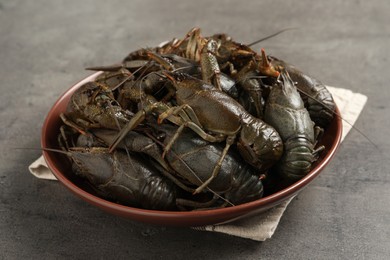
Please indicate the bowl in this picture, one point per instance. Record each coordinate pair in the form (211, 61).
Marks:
(60, 168)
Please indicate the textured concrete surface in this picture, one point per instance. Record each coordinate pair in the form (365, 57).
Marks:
(44, 46)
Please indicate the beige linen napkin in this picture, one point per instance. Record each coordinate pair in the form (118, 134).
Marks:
(262, 226)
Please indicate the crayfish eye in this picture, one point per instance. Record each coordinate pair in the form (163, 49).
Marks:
(214, 45)
(161, 136)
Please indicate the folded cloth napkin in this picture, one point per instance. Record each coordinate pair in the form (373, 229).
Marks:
(261, 226)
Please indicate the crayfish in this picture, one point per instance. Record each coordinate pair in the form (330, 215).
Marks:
(194, 123)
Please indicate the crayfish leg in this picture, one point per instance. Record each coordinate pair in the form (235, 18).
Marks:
(185, 112)
(167, 172)
(318, 133)
(316, 152)
(194, 127)
(62, 139)
(133, 123)
(71, 124)
(229, 142)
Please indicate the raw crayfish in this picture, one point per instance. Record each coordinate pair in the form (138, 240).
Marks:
(205, 84)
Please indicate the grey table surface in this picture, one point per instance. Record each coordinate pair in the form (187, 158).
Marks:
(44, 48)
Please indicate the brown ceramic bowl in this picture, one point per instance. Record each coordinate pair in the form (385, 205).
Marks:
(60, 168)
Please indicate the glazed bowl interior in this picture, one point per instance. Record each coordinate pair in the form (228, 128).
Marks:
(60, 167)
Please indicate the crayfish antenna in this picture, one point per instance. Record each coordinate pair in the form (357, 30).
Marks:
(339, 116)
(113, 67)
(271, 36)
(43, 149)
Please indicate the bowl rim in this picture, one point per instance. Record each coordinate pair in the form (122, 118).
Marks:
(140, 214)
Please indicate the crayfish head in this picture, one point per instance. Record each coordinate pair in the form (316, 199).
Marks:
(184, 81)
(95, 164)
(82, 97)
(260, 144)
(175, 77)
